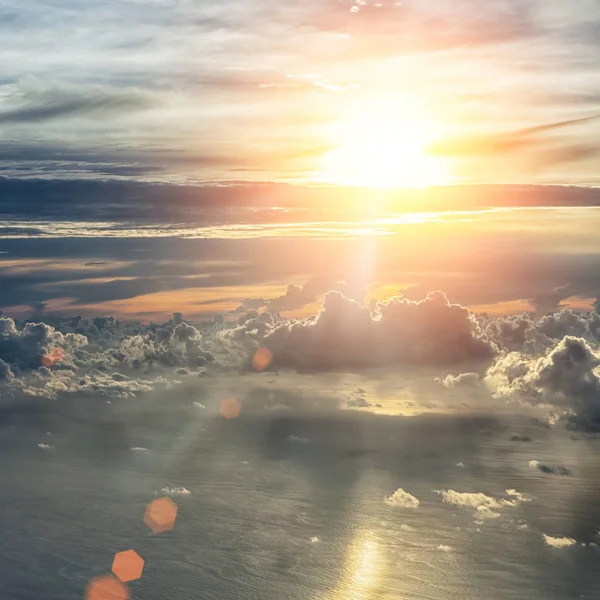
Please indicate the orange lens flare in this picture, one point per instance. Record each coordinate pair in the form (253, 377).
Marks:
(262, 359)
(55, 355)
(128, 565)
(106, 587)
(230, 408)
(160, 515)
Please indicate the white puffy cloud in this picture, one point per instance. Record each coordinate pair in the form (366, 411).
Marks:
(558, 542)
(471, 499)
(402, 499)
(486, 507)
(486, 514)
(567, 376)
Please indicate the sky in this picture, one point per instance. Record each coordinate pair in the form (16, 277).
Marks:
(215, 159)
(347, 92)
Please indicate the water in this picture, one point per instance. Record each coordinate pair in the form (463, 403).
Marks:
(272, 516)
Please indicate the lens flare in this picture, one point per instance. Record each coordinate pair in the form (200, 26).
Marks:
(160, 515)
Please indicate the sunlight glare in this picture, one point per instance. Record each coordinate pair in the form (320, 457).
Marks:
(383, 145)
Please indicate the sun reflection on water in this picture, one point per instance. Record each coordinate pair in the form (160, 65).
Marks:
(362, 570)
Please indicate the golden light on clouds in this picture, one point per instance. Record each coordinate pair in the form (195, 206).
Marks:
(383, 143)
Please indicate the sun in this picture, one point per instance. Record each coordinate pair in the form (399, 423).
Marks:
(384, 145)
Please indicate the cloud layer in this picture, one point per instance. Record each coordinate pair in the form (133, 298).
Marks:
(520, 359)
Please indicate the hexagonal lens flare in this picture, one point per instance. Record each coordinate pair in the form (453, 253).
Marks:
(160, 515)
(128, 565)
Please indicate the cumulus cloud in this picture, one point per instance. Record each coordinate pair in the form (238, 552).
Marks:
(444, 548)
(471, 499)
(558, 542)
(25, 348)
(461, 380)
(348, 335)
(485, 514)
(402, 499)
(532, 336)
(486, 507)
(567, 376)
(551, 469)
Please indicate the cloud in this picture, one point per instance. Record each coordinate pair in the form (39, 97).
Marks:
(471, 499)
(485, 514)
(552, 469)
(358, 399)
(502, 142)
(37, 103)
(558, 542)
(444, 548)
(486, 507)
(175, 491)
(5, 371)
(347, 335)
(461, 380)
(297, 296)
(402, 499)
(26, 348)
(567, 376)
(516, 437)
(123, 359)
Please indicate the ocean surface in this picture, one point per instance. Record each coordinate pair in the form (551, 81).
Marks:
(287, 501)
